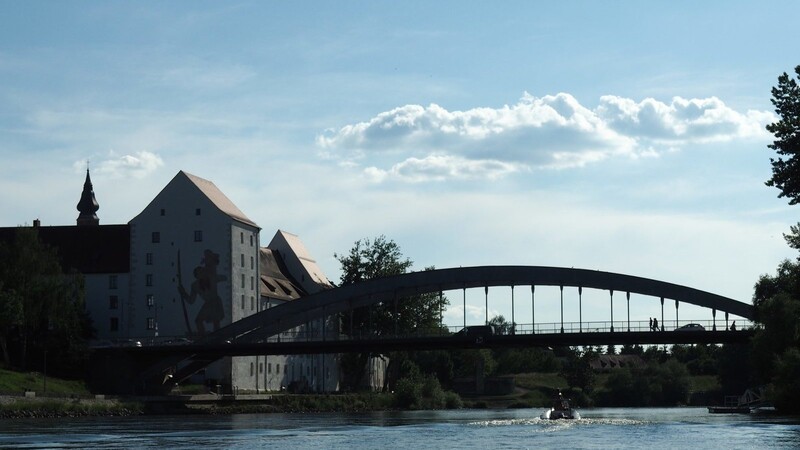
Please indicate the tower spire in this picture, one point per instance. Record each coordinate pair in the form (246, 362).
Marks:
(88, 205)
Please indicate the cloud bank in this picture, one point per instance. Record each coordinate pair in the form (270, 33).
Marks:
(415, 143)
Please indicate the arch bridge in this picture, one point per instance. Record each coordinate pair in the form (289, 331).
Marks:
(251, 335)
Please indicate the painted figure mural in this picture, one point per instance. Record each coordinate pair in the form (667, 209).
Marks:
(204, 286)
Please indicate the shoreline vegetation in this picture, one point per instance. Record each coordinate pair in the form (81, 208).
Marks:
(73, 400)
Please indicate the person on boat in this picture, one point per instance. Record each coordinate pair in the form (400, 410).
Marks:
(733, 326)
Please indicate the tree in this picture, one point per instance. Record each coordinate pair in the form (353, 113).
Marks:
(501, 326)
(378, 258)
(578, 371)
(786, 168)
(45, 306)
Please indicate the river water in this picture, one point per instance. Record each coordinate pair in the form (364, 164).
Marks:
(681, 428)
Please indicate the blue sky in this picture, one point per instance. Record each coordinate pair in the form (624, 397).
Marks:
(619, 136)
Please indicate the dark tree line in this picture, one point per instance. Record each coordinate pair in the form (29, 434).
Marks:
(42, 308)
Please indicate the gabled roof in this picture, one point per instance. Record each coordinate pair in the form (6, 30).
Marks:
(275, 281)
(296, 257)
(210, 190)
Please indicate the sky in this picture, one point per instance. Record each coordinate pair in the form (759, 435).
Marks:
(619, 136)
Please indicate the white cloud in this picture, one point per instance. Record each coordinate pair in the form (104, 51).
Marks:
(681, 121)
(441, 168)
(416, 143)
(137, 165)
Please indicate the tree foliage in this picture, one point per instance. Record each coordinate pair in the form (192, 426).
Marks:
(786, 167)
(378, 258)
(42, 309)
(578, 371)
(777, 303)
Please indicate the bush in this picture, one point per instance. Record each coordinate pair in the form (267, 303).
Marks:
(407, 394)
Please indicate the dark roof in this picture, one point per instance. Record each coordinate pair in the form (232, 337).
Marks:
(87, 249)
(275, 279)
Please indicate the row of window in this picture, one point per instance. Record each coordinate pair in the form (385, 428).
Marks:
(252, 303)
(252, 282)
(241, 238)
(197, 212)
(252, 262)
(155, 237)
(286, 369)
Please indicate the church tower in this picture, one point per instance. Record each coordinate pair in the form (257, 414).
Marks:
(88, 205)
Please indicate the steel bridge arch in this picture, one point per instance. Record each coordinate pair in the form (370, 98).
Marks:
(297, 312)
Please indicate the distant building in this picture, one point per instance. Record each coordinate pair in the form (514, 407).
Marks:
(190, 263)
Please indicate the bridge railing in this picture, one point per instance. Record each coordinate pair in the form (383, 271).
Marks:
(519, 329)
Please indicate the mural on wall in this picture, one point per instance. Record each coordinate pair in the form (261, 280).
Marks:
(204, 286)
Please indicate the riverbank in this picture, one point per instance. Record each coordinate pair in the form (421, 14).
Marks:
(41, 407)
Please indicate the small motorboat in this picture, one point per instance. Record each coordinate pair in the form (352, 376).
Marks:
(560, 410)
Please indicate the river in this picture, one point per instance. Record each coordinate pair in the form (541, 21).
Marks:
(682, 428)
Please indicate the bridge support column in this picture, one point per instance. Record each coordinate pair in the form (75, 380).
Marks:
(714, 317)
(676, 314)
(726, 321)
(662, 313)
(486, 296)
(562, 308)
(533, 316)
(612, 310)
(628, 297)
(513, 323)
(465, 307)
(580, 310)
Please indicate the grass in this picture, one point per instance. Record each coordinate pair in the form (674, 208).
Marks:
(14, 381)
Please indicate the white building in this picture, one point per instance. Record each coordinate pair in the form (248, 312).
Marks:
(188, 264)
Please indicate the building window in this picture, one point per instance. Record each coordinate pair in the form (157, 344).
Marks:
(252, 283)
(242, 281)
(252, 303)
(252, 263)
(251, 240)
(242, 302)
(278, 368)
(151, 301)
(156, 237)
(269, 368)
(113, 302)
(198, 235)
(241, 237)
(163, 212)
(151, 323)
(197, 212)
(242, 259)
(148, 259)
(261, 368)
(113, 324)
(148, 280)
(251, 369)
(112, 281)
